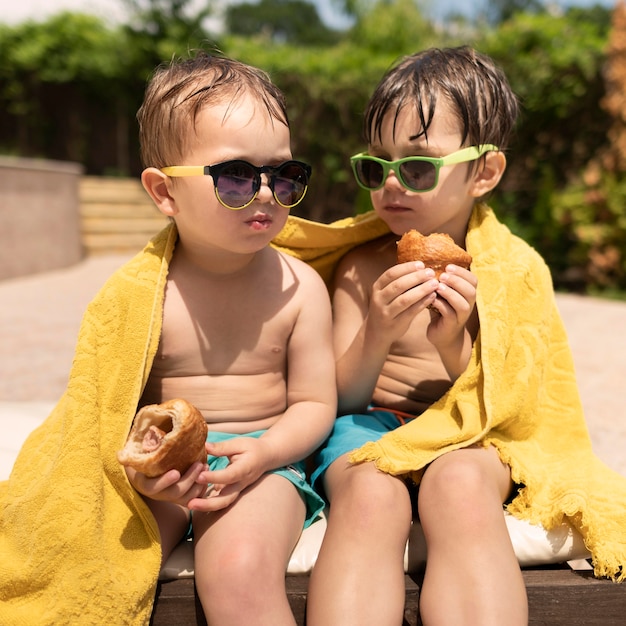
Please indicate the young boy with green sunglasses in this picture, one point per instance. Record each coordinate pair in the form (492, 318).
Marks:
(436, 127)
(457, 393)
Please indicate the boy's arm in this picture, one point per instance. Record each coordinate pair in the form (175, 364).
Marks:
(368, 319)
(455, 320)
(455, 355)
(311, 387)
(361, 352)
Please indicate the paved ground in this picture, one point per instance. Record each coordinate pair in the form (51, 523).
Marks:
(40, 316)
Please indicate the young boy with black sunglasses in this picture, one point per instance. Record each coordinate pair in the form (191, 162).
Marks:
(477, 357)
(208, 312)
(246, 334)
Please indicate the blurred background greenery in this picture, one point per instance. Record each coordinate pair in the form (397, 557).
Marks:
(70, 86)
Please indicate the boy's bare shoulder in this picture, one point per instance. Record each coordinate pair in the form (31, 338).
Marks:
(372, 255)
(300, 269)
(381, 245)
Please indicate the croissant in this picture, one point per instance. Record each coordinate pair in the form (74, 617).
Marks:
(165, 436)
(435, 251)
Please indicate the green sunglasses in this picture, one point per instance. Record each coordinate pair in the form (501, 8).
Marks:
(416, 173)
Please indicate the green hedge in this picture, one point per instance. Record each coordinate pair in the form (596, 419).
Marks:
(70, 86)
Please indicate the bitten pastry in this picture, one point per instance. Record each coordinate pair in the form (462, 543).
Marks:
(165, 436)
(435, 251)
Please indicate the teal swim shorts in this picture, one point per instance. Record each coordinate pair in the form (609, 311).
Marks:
(349, 433)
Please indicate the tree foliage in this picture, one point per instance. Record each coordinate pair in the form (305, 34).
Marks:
(281, 21)
(554, 64)
(500, 11)
(157, 30)
(70, 87)
(395, 26)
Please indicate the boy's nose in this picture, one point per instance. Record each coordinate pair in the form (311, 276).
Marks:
(265, 193)
(392, 181)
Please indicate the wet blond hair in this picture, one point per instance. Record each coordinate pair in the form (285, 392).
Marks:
(177, 92)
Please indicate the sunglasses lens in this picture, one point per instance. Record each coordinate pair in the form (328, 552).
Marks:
(369, 173)
(414, 175)
(290, 184)
(418, 175)
(237, 184)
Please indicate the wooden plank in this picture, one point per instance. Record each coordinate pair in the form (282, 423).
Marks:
(177, 605)
(117, 215)
(119, 210)
(573, 598)
(556, 597)
(103, 189)
(99, 240)
(297, 587)
(412, 601)
(123, 226)
(116, 243)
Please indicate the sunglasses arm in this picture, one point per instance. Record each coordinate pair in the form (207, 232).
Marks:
(184, 170)
(468, 154)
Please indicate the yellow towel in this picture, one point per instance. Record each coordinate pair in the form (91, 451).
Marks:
(322, 245)
(77, 543)
(519, 394)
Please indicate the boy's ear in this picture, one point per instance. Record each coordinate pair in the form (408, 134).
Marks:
(158, 185)
(489, 175)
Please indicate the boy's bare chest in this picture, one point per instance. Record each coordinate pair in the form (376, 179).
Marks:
(413, 376)
(229, 330)
(414, 349)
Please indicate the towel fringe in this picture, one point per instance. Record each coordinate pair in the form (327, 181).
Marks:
(608, 560)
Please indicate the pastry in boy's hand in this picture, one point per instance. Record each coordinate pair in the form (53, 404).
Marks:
(435, 251)
(165, 436)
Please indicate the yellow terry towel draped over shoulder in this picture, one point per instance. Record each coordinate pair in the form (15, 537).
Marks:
(519, 394)
(77, 543)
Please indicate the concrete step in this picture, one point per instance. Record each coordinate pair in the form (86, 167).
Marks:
(117, 215)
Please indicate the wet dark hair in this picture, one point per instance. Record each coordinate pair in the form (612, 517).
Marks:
(470, 82)
(177, 92)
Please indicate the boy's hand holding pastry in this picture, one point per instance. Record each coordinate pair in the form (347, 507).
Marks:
(456, 292)
(170, 486)
(398, 295)
(165, 451)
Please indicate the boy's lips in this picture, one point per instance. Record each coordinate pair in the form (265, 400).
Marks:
(260, 221)
(396, 208)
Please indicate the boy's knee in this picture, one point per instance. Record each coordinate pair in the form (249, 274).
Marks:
(366, 494)
(236, 581)
(233, 564)
(458, 482)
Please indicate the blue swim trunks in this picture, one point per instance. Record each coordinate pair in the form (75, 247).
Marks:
(295, 474)
(351, 432)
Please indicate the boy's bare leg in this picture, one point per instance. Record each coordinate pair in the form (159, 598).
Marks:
(472, 574)
(173, 523)
(359, 575)
(242, 552)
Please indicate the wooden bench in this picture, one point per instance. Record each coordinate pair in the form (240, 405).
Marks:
(562, 590)
(557, 596)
